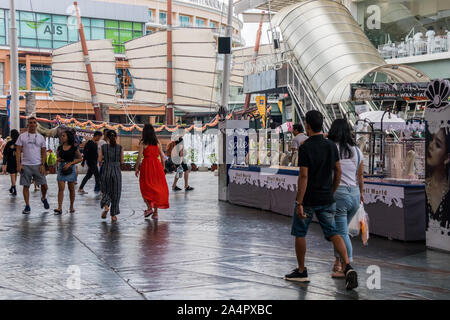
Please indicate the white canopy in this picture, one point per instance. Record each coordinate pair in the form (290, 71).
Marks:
(390, 120)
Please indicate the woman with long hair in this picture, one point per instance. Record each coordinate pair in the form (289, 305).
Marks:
(437, 184)
(9, 160)
(110, 158)
(68, 156)
(350, 192)
(152, 179)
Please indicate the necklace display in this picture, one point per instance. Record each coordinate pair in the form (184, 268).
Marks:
(428, 192)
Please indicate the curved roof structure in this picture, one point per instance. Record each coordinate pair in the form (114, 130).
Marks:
(332, 49)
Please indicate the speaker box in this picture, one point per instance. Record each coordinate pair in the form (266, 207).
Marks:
(224, 45)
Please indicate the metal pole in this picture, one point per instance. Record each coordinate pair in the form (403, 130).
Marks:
(169, 105)
(14, 66)
(87, 62)
(227, 61)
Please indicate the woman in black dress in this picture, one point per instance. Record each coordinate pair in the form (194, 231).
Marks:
(111, 157)
(9, 160)
(68, 157)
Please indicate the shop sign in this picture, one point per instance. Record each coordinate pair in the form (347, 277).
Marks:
(389, 91)
(389, 195)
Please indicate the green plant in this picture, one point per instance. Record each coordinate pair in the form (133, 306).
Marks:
(212, 158)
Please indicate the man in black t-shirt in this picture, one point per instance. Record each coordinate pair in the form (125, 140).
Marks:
(90, 157)
(319, 177)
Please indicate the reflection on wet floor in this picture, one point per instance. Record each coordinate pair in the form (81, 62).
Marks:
(199, 249)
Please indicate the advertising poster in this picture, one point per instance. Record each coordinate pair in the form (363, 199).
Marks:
(437, 178)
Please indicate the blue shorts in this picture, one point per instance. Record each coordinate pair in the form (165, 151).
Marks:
(72, 177)
(325, 215)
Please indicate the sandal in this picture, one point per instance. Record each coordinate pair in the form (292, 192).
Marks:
(113, 218)
(155, 215)
(57, 212)
(104, 214)
(72, 210)
(148, 213)
(338, 271)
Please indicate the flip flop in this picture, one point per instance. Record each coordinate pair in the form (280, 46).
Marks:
(104, 214)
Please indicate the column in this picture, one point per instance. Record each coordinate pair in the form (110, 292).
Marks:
(28, 65)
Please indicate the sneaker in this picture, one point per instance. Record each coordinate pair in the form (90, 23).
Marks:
(46, 205)
(176, 189)
(82, 192)
(14, 191)
(295, 275)
(189, 188)
(27, 209)
(351, 278)
(11, 189)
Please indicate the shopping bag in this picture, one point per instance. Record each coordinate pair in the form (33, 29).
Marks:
(364, 223)
(354, 225)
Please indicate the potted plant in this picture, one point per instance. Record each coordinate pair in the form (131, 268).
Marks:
(213, 159)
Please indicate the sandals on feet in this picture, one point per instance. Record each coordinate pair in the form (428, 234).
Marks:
(104, 214)
(57, 212)
(148, 213)
(113, 218)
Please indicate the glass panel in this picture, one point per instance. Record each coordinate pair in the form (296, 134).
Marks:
(44, 31)
(138, 34)
(44, 44)
(126, 25)
(111, 24)
(97, 33)
(27, 29)
(148, 32)
(137, 26)
(125, 36)
(163, 18)
(2, 40)
(2, 27)
(150, 15)
(42, 16)
(29, 16)
(59, 32)
(199, 22)
(212, 24)
(98, 23)
(2, 13)
(73, 35)
(57, 44)
(27, 42)
(59, 19)
(184, 21)
(86, 21)
(87, 33)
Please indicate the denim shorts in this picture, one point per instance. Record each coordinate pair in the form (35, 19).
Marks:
(72, 177)
(325, 215)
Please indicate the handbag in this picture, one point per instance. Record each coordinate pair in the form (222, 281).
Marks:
(66, 172)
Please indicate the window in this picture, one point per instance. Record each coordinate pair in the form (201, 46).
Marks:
(163, 18)
(212, 24)
(199, 22)
(184, 21)
(150, 15)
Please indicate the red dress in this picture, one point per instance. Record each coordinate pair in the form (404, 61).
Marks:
(152, 179)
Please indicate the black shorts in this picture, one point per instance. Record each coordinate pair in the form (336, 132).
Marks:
(184, 166)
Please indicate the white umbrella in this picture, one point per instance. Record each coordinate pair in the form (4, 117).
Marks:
(390, 120)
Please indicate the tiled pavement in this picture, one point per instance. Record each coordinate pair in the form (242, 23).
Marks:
(199, 249)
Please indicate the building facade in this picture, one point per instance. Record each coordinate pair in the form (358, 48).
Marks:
(46, 25)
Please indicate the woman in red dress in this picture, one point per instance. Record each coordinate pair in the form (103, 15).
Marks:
(152, 179)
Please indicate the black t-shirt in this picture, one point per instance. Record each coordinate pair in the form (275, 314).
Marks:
(319, 155)
(90, 153)
(69, 155)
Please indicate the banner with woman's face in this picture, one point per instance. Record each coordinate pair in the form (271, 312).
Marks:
(437, 181)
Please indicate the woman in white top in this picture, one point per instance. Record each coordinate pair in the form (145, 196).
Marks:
(350, 192)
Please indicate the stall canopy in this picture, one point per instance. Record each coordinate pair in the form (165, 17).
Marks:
(390, 120)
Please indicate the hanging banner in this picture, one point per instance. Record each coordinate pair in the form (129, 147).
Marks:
(437, 189)
(280, 105)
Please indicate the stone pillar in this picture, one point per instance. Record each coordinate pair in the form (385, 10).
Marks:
(30, 104)
(104, 109)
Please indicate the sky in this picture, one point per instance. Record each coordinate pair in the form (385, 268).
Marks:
(249, 33)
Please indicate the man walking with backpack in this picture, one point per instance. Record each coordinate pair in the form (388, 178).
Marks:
(319, 177)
